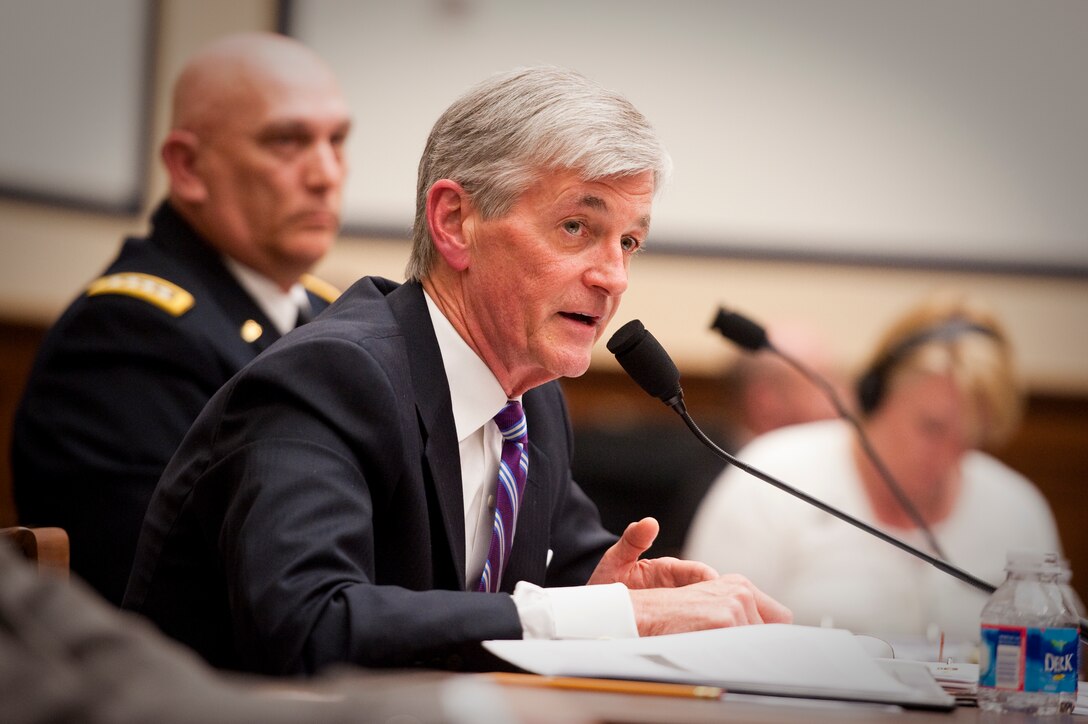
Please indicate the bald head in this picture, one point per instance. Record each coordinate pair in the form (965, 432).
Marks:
(233, 67)
(255, 152)
(769, 393)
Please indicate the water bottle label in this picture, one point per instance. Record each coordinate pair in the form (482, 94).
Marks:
(1052, 660)
(1002, 658)
(1029, 659)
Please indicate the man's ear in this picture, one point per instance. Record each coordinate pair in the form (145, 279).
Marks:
(179, 152)
(448, 206)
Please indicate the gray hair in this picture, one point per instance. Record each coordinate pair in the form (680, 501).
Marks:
(500, 136)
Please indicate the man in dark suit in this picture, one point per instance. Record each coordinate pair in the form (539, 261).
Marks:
(342, 498)
(255, 165)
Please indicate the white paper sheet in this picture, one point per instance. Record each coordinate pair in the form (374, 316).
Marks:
(775, 659)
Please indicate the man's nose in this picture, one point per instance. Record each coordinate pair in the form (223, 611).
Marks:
(325, 166)
(608, 271)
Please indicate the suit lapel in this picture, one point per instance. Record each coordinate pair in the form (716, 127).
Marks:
(253, 330)
(434, 410)
(252, 325)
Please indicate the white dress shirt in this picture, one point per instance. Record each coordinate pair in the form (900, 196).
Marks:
(281, 307)
(602, 611)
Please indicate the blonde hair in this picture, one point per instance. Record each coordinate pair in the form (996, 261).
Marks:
(951, 335)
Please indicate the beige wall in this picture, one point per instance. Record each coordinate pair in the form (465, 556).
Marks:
(48, 254)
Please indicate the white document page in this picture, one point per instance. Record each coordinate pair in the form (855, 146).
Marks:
(777, 659)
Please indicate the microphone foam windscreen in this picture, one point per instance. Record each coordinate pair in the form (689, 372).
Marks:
(645, 360)
(740, 330)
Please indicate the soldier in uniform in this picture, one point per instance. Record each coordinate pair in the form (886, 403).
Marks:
(255, 163)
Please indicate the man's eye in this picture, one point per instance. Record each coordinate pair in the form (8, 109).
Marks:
(630, 244)
(284, 141)
(573, 227)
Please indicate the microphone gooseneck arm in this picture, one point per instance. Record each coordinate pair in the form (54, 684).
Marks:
(816, 502)
(648, 364)
(943, 565)
(752, 337)
(867, 447)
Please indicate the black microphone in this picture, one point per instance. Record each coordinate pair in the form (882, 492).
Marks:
(750, 336)
(741, 330)
(647, 363)
(638, 350)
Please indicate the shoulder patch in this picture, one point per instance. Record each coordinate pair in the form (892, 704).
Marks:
(165, 295)
(320, 287)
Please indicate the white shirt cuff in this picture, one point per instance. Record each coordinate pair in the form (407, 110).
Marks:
(576, 612)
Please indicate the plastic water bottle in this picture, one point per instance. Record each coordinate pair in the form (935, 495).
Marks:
(1029, 659)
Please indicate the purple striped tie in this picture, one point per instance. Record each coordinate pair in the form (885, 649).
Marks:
(513, 467)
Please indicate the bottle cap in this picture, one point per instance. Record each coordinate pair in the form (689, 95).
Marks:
(1031, 561)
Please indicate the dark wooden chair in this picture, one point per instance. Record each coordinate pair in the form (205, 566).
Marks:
(47, 547)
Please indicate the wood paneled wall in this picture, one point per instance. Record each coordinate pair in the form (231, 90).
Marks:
(18, 344)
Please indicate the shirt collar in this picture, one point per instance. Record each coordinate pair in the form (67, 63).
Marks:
(281, 307)
(474, 391)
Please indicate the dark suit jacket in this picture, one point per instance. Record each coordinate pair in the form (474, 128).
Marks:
(314, 512)
(116, 384)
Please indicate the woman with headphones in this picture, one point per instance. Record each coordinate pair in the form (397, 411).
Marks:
(938, 391)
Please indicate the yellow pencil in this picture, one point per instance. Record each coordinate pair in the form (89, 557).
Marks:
(615, 686)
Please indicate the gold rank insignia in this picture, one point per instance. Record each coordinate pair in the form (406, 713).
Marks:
(251, 331)
(165, 295)
(320, 287)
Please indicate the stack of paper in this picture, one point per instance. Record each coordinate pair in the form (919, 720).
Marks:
(959, 680)
(775, 659)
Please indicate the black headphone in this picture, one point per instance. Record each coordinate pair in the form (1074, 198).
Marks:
(870, 387)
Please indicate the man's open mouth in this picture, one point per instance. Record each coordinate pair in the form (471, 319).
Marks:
(585, 319)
